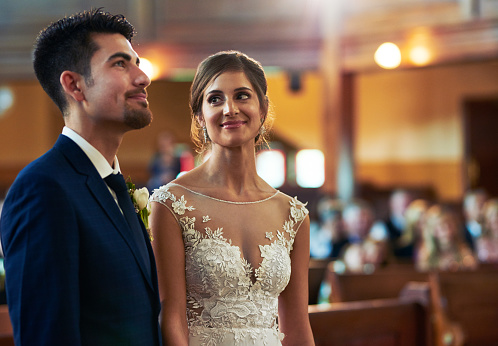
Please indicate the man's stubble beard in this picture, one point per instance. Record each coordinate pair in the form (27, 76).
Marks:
(137, 118)
(134, 118)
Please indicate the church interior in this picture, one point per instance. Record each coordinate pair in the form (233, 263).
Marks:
(421, 117)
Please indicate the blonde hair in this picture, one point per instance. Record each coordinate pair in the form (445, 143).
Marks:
(490, 207)
(414, 214)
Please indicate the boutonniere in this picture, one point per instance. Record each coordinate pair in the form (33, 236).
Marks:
(140, 199)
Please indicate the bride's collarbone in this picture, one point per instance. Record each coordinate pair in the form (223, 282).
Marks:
(225, 194)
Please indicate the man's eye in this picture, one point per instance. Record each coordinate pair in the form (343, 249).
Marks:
(120, 63)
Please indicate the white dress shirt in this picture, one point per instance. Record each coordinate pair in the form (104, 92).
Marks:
(98, 160)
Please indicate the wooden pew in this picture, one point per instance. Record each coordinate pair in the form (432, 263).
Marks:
(6, 333)
(383, 283)
(381, 322)
(465, 307)
(316, 274)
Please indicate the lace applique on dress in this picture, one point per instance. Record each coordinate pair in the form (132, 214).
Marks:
(227, 297)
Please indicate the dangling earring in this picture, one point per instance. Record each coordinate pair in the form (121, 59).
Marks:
(262, 129)
(206, 136)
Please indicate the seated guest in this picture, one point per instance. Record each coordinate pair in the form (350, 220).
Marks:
(396, 222)
(327, 235)
(487, 244)
(472, 212)
(165, 165)
(365, 250)
(412, 233)
(443, 247)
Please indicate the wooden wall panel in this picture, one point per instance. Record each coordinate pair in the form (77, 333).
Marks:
(445, 177)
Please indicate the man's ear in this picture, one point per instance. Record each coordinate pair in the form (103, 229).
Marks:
(72, 83)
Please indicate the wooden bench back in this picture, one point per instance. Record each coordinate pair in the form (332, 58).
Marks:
(6, 333)
(383, 283)
(383, 322)
(316, 274)
(466, 301)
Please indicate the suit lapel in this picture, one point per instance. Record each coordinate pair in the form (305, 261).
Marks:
(99, 190)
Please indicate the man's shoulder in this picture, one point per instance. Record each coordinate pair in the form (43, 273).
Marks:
(49, 163)
(53, 165)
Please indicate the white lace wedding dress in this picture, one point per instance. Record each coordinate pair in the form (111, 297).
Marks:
(231, 300)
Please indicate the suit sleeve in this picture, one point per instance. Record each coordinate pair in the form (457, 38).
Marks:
(39, 230)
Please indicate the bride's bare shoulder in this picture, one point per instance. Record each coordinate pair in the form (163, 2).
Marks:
(191, 179)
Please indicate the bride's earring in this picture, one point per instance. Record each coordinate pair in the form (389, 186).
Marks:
(206, 136)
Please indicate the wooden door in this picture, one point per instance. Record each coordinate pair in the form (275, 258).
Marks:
(481, 144)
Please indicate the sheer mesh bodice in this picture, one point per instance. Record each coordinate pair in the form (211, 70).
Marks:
(237, 259)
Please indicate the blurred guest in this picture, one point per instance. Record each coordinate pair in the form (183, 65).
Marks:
(3, 295)
(396, 223)
(472, 212)
(364, 250)
(412, 234)
(165, 164)
(443, 247)
(327, 235)
(1, 250)
(487, 244)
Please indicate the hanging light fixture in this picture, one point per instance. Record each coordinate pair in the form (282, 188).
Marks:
(388, 55)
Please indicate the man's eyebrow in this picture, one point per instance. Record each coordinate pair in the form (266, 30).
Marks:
(125, 56)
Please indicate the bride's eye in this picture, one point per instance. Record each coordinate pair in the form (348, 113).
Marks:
(214, 99)
(243, 96)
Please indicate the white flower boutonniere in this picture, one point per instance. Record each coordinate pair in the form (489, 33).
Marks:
(140, 199)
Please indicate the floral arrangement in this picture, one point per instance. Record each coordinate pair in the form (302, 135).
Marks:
(140, 199)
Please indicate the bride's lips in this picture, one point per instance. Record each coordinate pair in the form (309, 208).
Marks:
(232, 124)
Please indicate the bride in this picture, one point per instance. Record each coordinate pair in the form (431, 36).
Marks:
(232, 252)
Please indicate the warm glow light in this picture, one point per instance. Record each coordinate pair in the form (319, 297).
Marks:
(388, 55)
(420, 46)
(420, 55)
(270, 165)
(6, 99)
(149, 68)
(310, 168)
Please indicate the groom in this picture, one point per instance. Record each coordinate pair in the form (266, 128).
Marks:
(79, 265)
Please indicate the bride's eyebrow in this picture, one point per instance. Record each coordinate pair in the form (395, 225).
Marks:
(235, 90)
(214, 92)
(243, 88)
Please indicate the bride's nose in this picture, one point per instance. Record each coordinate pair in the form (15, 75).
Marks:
(230, 108)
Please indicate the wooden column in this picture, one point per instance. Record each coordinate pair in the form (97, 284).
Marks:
(339, 175)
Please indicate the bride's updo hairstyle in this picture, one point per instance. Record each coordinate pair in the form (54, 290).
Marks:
(207, 71)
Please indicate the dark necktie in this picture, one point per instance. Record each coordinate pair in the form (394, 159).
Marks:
(117, 183)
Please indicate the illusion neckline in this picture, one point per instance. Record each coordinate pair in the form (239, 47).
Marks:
(226, 201)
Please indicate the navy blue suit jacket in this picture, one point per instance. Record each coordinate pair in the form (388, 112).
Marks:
(74, 276)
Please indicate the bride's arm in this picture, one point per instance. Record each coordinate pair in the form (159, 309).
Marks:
(293, 301)
(170, 259)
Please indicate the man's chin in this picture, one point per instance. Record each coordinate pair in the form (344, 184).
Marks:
(138, 119)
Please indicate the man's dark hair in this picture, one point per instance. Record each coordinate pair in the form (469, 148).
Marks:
(67, 45)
